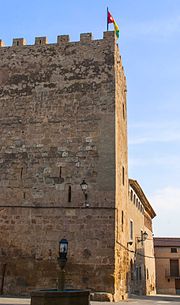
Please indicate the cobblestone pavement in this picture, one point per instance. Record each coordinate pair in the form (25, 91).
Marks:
(155, 300)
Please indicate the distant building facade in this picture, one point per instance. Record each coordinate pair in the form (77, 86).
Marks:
(142, 262)
(63, 120)
(167, 256)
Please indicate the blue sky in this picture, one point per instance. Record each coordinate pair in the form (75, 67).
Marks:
(150, 48)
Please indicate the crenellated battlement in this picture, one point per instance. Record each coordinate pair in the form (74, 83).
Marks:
(61, 39)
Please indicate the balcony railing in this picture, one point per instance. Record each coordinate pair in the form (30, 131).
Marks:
(175, 274)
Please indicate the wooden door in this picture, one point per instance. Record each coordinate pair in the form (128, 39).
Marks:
(177, 286)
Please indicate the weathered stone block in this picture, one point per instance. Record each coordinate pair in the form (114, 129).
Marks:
(19, 42)
(62, 39)
(41, 40)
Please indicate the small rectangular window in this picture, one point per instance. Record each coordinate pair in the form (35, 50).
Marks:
(174, 267)
(69, 194)
(137, 202)
(123, 176)
(140, 274)
(131, 195)
(122, 221)
(123, 112)
(132, 270)
(142, 235)
(131, 230)
(173, 250)
(137, 274)
(147, 273)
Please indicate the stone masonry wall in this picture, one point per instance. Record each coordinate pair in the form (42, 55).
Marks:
(121, 232)
(57, 126)
(29, 248)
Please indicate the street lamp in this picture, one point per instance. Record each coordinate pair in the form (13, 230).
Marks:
(144, 236)
(62, 259)
(63, 249)
(84, 187)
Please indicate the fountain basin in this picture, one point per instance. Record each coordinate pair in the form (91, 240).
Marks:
(59, 297)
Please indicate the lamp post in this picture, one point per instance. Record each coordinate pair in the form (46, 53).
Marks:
(139, 261)
(84, 187)
(144, 236)
(62, 259)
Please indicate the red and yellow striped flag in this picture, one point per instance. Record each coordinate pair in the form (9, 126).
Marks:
(110, 19)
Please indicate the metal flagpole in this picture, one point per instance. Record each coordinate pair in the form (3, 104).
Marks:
(107, 20)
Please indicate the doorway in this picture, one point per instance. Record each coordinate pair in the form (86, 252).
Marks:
(177, 286)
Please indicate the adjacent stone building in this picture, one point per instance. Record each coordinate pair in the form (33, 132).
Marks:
(63, 121)
(167, 256)
(141, 258)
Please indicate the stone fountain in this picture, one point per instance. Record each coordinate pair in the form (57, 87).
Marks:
(60, 296)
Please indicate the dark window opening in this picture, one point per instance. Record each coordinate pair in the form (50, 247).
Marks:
(174, 267)
(122, 220)
(131, 195)
(123, 112)
(137, 274)
(60, 171)
(131, 230)
(136, 202)
(132, 270)
(69, 194)
(142, 235)
(140, 274)
(123, 175)
(173, 250)
(147, 274)
(21, 175)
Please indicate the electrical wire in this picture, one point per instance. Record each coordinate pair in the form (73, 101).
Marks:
(140, 254)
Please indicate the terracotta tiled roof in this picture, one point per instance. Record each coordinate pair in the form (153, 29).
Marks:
(166, 241)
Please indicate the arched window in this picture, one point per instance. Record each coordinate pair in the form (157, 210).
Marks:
(131, 195)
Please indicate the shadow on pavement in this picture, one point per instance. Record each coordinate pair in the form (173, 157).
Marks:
(158, 297)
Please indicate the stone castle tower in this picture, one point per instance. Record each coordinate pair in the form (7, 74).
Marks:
(62, 121)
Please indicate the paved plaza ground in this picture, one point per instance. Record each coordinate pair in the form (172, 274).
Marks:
(156, 300)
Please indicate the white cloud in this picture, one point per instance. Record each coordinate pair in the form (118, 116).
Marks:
(143, 132)
(166, 203)
(168, 161)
